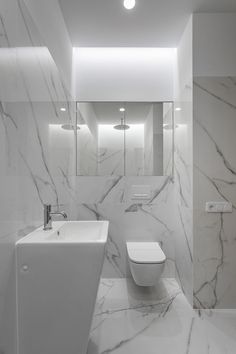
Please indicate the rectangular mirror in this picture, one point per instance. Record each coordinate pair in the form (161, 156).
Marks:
(124, 138)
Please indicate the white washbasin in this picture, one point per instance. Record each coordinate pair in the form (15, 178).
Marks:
(58, 273)
(69, 231)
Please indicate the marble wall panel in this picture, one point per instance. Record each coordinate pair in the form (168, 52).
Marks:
(31, 95)
(214, 180)
(183, 162)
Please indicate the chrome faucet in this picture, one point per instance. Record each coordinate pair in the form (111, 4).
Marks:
(48, 216)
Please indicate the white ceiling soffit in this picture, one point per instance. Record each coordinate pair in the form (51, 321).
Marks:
(152, 23)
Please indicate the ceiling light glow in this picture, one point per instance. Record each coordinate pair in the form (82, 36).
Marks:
(62, 109)
(129, 4)
(178, 109)
(122, 109)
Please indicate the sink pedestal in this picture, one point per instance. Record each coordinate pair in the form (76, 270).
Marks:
(58, 273)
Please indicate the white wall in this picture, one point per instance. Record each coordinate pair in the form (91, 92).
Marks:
(214, 94)
(214, 44)
(123, 74)
(89, 116)
(30, 62)
(54, 34)
(183, 162)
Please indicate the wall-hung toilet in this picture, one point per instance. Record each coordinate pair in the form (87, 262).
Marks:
(147, 261)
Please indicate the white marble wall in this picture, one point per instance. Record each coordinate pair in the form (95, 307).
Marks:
(31, 95)
(30, 166)
(110, 198)
(183, 162)
(214, 180)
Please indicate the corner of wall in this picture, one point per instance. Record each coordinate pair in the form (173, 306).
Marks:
(183, 162)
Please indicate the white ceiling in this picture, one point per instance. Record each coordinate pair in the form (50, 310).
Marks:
(153, 23)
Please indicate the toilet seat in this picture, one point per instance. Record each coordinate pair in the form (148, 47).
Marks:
(145, 252)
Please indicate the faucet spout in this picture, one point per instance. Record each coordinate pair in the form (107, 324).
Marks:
(62, 213)
(48, 216)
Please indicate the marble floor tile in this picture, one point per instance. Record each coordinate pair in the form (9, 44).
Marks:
(129, 319)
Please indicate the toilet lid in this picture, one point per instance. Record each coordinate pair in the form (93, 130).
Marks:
(145, 252)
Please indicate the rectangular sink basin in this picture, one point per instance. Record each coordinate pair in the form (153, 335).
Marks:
(58, 273)
(69, 232)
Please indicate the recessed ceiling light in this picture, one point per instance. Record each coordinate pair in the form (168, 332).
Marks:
(122, 109)
(178, 109)
(62, 109)
(129, 4)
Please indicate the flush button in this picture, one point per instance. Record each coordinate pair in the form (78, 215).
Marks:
(141, 192)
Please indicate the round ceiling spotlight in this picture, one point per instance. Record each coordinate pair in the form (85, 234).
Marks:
(129, 4)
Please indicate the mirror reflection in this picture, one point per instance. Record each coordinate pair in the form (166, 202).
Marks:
(124, 138)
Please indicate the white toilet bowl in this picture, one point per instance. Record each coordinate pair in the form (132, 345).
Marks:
(147, 261)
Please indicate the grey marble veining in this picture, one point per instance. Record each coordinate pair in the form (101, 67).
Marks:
(130, 319)
(213, 282)
(184, 198)
(214, 175)
(147, 222)
(183, 164)
(31, 95)
(213, 92)
(186, 236)
(226, 163)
